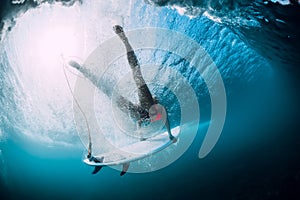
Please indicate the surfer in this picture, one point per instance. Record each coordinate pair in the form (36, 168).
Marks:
(149, 109)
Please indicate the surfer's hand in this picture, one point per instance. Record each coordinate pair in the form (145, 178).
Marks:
(174, 139)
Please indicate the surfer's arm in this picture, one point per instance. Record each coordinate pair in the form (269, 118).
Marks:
(167, 125)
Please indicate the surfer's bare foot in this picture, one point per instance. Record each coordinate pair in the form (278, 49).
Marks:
(120, 32)
(118, 29)
(74, 64)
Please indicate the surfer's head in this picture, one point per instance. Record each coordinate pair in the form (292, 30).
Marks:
(155, 112)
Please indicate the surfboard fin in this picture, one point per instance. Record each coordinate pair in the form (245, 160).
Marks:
(125, 168)
(97, 169)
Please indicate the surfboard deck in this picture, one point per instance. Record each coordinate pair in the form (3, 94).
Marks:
(135, 151)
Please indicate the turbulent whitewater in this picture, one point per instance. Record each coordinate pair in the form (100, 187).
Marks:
(38, 90)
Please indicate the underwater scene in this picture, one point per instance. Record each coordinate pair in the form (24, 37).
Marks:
(149, 99)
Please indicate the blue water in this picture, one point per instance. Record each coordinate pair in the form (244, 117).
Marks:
(256, 157)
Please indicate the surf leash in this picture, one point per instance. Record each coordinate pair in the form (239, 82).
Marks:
(77, 103)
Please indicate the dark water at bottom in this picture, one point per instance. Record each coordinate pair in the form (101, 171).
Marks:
(255, 158)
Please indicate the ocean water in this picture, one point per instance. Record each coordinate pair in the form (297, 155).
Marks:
(254, 46)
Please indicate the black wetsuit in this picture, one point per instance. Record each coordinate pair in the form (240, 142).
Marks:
(138, 112)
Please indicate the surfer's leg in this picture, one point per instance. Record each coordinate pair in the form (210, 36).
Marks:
(145, 97)
(128, 107)
(132, 110)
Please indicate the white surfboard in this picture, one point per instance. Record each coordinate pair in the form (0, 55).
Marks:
(135, 151)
